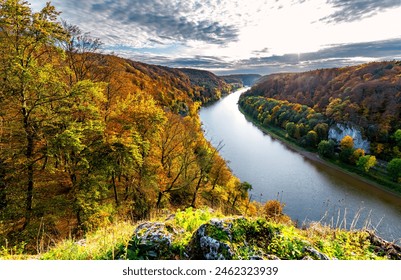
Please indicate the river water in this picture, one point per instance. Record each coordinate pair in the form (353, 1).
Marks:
(310, 191)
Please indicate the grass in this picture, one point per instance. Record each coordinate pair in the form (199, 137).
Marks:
(101, 244)
(247, 237)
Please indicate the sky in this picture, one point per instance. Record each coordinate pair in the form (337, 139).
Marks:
(241, 36)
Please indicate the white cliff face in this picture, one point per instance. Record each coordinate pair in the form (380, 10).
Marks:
(339, 131)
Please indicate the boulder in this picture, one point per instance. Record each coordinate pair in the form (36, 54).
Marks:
(152, 241)
(211, 241)
(315, 254)
(384, 248)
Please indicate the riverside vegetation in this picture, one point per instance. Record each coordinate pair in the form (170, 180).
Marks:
(302, 108)
(93, 145)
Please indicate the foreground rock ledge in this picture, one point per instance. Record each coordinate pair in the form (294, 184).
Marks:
(227, 239)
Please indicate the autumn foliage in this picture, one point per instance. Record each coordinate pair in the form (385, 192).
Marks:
(368, 95)
(87, 137)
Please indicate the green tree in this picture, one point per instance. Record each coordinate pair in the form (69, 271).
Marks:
(394, 169)
(29, 84)
(80, 136)
(326, 148)
(356, 155)
(322, 130)
(366, 162)
(346, 155)
(397, 137)
(241, 191)
(311, 139)
(290, 128)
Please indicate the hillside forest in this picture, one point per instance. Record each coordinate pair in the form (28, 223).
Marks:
(304, 107)
(87, 138)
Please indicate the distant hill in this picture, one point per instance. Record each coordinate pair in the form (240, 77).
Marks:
(210, 86)
(244, 79)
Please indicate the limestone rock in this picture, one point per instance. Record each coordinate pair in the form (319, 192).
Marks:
(211, 241)
(315, 253)
(272, 257)
(390, 250)
(152, 240)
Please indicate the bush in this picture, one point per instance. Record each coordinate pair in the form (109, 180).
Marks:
(346, 155)
(394, 169)
(326, 148)
(366, 162)
(273, 210)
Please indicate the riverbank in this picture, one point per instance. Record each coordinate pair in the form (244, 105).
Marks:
(311, 156)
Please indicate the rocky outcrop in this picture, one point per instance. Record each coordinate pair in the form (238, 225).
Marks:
(234, 238)
(314, 254)
(384, 248)
(210, 241)
(339, 131)
(152, 241)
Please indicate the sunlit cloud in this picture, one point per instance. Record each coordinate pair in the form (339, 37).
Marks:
(235, 35)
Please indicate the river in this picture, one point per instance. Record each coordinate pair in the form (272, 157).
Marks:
(309, 190)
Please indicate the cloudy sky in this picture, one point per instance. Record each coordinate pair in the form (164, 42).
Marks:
(238, 36)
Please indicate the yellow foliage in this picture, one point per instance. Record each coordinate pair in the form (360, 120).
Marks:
(347, 142)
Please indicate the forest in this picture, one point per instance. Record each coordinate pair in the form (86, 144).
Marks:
(88, 138)
(305, 106)
(242, 79)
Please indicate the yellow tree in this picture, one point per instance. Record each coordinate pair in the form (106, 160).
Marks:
(29, 83)
(347, 142)
(135, 126)
(176, 145)
(366, 162)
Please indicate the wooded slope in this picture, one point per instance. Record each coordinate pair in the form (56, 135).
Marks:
(86, 138)
(368, 95)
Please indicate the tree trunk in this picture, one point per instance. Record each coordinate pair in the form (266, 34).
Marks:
(196, 192)
(113, 178)
(3, 195)
(159, 199)
(30, 168)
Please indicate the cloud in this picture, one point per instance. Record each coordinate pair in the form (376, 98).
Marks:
(332, 56)
(168, 20)
(351, 10)
(236, 36)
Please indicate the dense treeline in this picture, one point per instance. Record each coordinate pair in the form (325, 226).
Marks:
(208, 86)
(300, 122)
(368, 96)
(86, 137)
(242, 79)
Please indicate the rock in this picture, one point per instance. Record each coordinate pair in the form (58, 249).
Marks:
(256, 258)
(211, 241)
(152, 241)
(315, 253)
(81, 242)
(384, 248)
(339, 130)
(170, 217)
(272, 257)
